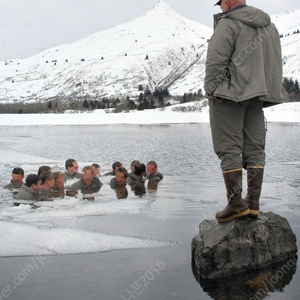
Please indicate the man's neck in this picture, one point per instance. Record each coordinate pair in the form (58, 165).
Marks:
(235, 3)
(46, 186)
(18, 185)
(33, 188)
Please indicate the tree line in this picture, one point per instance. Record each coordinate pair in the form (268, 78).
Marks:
(146, 100)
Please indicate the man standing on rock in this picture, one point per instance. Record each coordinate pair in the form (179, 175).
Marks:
(243, 75)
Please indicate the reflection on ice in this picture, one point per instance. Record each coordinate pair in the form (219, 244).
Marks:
(252, 285)
(23, 240)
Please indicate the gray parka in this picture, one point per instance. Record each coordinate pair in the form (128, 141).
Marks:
(12, 186)
(94, 187)
(26, 193)
(244, 57)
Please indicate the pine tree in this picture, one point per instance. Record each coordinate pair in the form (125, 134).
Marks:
(147, 91)
(146, 103)
(141, 97)
(165, 92)
(131, 105)
(152, 106)
(92, 105)
(141, 106)
(161, 99)
(296, 86)
(85, 104)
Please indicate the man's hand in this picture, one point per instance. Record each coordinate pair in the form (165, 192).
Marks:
(208, 96)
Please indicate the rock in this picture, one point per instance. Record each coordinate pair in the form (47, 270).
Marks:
(223, 249)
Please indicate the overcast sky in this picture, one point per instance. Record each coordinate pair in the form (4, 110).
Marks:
(28, 27)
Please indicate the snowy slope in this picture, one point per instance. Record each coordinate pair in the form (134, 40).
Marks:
(287, 23)
(111, 62)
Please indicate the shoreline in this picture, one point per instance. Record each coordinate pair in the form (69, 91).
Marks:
(283, 113)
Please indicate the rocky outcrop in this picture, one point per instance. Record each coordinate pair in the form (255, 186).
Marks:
(223, 249)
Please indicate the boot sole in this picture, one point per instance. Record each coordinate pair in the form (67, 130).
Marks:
(238, 215)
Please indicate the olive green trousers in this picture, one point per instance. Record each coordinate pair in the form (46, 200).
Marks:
(238, 132)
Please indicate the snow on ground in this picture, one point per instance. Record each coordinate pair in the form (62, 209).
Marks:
(287, 112)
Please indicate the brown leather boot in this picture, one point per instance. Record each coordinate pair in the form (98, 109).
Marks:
(236, 207)
(254, 181)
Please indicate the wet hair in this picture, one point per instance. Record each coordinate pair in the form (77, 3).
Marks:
(18, 171)
(139, 169)
(56, 174)
(95, 166)
(32, 179)
(46, 176)
(88, 168)
(124, 171)
(152, 162)
(43, 169)
(69, 163)
(134, 162)
(116, 164)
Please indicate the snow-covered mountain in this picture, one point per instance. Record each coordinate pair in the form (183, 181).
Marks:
(111, 62)
(159, 49)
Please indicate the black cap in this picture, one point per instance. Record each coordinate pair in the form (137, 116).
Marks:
(218, 3)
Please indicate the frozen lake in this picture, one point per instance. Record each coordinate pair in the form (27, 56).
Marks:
(152, 231)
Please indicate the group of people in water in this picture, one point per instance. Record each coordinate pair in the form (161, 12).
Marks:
(46, 185)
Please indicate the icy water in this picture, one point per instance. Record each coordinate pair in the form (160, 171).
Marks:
(189, 193)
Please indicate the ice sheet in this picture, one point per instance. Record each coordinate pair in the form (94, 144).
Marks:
(23, 240)
(71, 208)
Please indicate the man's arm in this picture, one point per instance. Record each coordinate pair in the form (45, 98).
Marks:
(219, 52)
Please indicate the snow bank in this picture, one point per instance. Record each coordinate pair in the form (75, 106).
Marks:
(288, 112)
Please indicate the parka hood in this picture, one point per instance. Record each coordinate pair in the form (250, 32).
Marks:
(248, 15)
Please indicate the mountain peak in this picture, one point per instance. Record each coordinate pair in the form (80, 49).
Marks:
(161, 3)
(162, 8)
